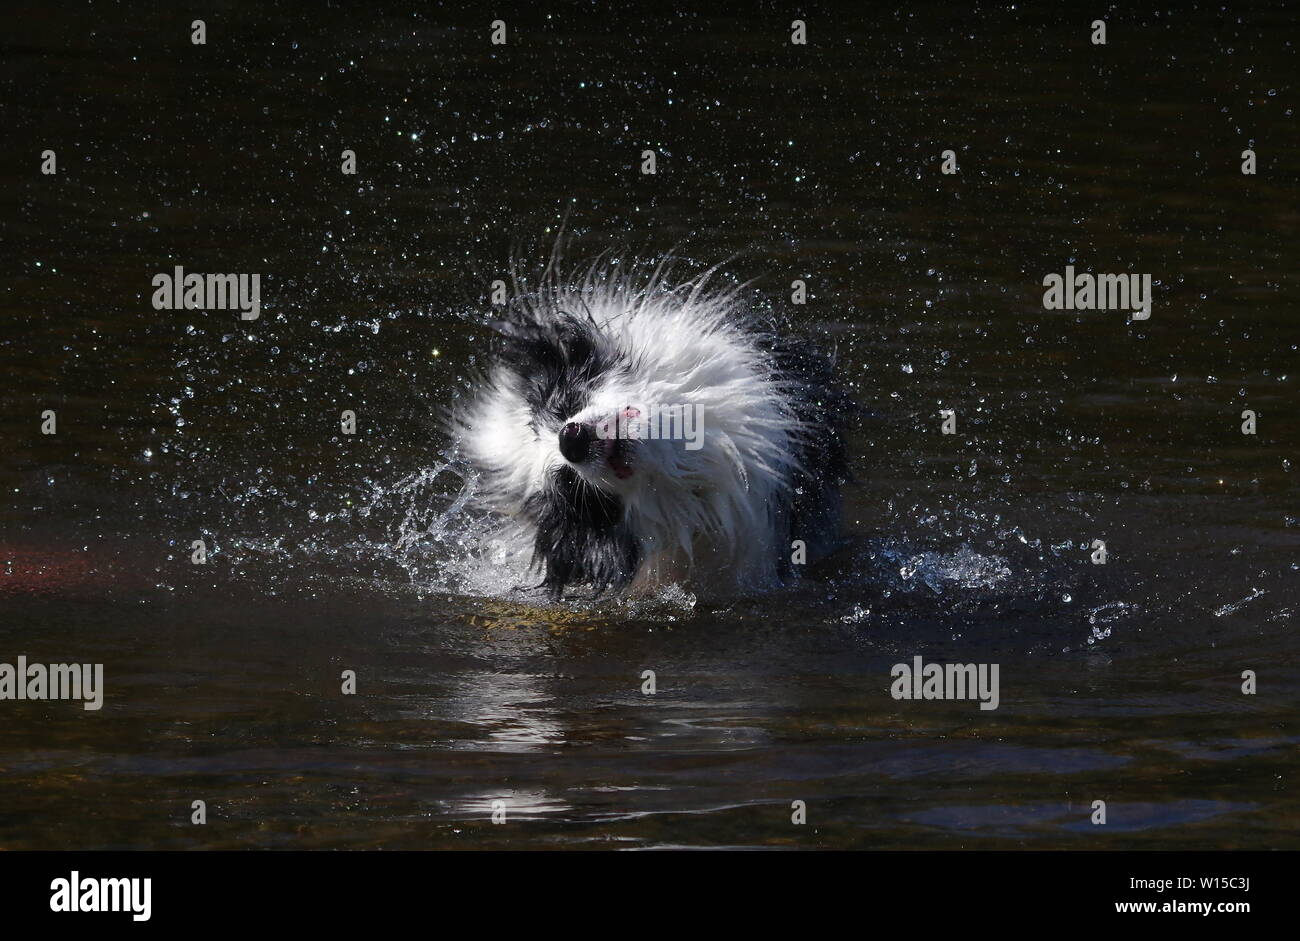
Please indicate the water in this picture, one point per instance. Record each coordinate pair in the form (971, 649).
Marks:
(1119, 682)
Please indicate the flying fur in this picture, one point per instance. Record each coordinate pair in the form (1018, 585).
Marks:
(635, 514)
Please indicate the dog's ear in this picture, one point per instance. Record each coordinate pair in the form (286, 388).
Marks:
(519, 331)
(526, 344)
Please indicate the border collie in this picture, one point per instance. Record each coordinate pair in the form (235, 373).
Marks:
(645, 433)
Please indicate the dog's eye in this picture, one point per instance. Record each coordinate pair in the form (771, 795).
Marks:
(558, 367)
(577, 350)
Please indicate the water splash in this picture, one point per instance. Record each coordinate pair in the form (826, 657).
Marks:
(1234, 606)
(942, 571)
(1102, 617)
(423, 529)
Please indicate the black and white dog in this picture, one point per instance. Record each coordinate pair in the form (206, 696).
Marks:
(641, 434)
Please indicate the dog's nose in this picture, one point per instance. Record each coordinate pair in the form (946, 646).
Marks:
(575, 441)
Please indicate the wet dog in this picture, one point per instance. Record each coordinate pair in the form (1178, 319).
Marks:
(642, 432)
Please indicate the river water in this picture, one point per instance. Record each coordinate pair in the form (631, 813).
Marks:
(1119, 682)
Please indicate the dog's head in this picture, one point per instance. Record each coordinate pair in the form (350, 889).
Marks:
(618, 425)
(556, 435)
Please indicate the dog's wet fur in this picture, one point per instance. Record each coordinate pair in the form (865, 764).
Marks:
(618, 514)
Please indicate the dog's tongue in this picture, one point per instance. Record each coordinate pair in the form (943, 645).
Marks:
(622, 470)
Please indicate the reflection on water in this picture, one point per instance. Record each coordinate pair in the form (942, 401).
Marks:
(327, 553)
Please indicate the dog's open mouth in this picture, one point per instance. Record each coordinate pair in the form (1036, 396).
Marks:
(618, 458)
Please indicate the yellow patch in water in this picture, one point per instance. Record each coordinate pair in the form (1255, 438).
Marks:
(496, 615)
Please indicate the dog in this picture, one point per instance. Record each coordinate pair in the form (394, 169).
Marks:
(642, 433)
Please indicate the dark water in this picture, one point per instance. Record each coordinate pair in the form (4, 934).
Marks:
(1119, 682)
